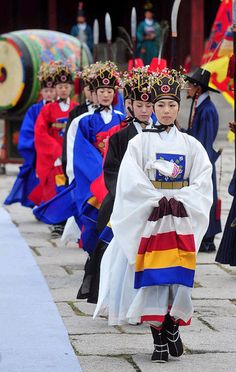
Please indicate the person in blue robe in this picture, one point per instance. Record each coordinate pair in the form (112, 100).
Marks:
(119, 105)
(204, 127)
(27, 180)
(89, 149)
(64, 203)
(93, 132)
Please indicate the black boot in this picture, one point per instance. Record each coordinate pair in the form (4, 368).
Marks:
(207, 245)
(160, 353)
(171, 331)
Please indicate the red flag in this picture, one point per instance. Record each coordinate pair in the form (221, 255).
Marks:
(219, 49)
(222, 21)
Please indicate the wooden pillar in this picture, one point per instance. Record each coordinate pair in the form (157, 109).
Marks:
(52, 14)
(197, 33)
(184, 34)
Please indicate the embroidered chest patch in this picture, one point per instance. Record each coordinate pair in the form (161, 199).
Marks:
(178, 159)
(62, 126)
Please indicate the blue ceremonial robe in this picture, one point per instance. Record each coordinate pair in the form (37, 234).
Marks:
(26, 180)
(204, 128)
(87, 168)
(62, 205)
(120, 104)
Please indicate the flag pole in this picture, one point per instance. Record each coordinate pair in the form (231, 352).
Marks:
(234, 51)
(174, 17)
(133, 32)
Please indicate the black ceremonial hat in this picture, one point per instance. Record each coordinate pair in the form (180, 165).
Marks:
(167, 87)
(201, 77)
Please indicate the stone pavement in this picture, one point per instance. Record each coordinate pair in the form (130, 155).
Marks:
(210, 341)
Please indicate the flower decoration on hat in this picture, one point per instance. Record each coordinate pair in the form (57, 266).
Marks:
(46, 76)
(106, 75)
(127, 83)
(87, 75)
(139, 82)
(127, 90)
(168, 84)
(63, 72)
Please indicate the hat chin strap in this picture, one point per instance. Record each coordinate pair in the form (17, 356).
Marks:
(101, 108)
(146, 123)
(162, 127)
(191, 110)
(62, 100)
(158, 128)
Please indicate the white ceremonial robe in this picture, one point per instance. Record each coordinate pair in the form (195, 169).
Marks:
(71, 231)
(71, 134)
(135, 199)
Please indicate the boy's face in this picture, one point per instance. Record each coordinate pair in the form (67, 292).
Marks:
(166, 111)
(49, 94)
(142, 110)
(63, 90)
(105, 96)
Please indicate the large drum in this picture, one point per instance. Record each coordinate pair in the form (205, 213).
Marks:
(21, 53)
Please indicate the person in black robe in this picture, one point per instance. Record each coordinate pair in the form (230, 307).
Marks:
(227, 253)
(139, 109)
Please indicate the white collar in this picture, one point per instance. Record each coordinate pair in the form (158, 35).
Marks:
(139, 128)
(168, 136)
(64, 106)
(202, 98)
(106, 115)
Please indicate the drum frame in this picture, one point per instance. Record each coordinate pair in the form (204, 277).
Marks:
(8, 150)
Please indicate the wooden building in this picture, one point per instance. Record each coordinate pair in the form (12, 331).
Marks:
(194, 21)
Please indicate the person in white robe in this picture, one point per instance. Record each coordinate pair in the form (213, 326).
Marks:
(160, 215)
(71, 230)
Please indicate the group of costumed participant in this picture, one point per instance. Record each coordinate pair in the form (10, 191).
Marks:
(139, 111)
(40, 141)
(136, 193)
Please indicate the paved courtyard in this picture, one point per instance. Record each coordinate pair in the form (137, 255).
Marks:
(210, 341)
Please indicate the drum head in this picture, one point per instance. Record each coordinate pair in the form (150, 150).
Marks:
(11, 74)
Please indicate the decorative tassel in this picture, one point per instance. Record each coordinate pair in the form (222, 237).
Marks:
(230, 71)
(218, 209)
